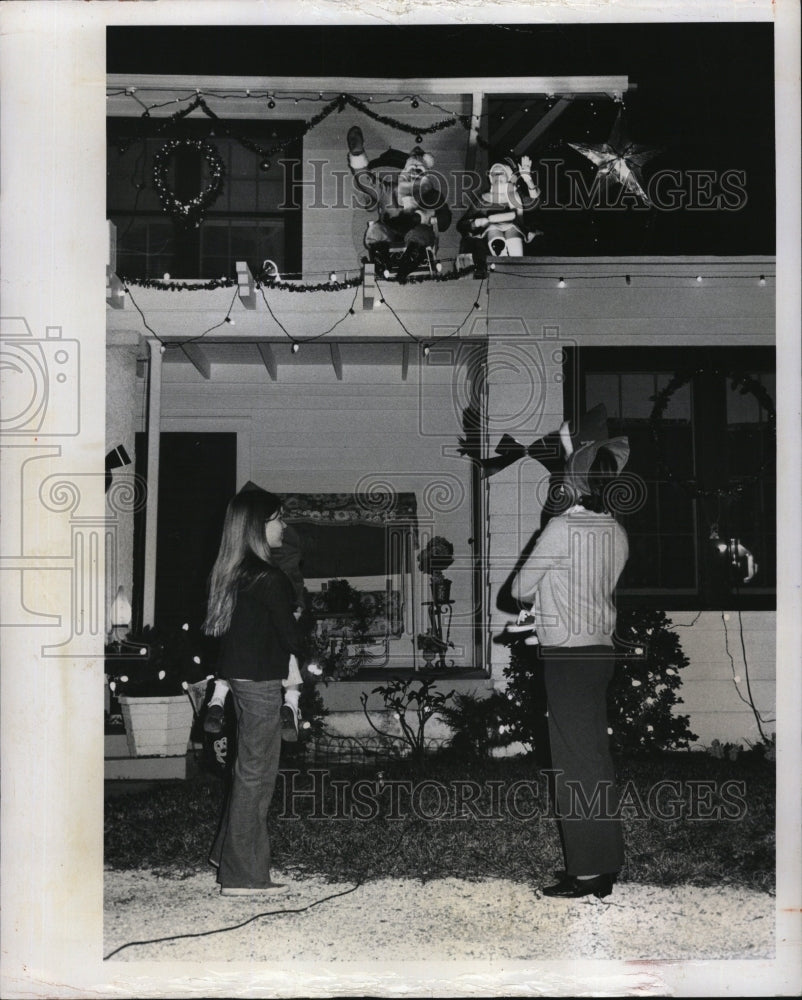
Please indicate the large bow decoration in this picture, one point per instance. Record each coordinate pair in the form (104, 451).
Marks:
(552, 449)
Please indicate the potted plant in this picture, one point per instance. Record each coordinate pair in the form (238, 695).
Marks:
(149, 673)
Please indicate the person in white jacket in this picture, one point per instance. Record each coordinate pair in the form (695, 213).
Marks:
(569, 581)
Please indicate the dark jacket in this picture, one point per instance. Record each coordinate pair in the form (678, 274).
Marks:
(263, 630)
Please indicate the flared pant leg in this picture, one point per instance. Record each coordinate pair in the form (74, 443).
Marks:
(242, 847)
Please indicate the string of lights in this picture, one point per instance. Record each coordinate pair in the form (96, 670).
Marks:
(270, 285)
(520, 269)
(297, 341)
(430, 342)
(338, 104)
(312, 97)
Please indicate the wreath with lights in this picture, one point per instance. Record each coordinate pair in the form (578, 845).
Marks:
(188, 213)
(738, 380)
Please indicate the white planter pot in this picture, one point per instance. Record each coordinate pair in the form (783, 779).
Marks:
(157, 727)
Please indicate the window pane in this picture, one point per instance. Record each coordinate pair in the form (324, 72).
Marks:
(603, 387)
(670, 551)
(637, 390)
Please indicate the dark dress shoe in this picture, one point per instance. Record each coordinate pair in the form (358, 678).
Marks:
(571, 887)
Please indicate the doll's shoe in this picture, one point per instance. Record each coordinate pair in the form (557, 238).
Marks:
(213, 723)
(571, 887)
(289, 724)
(380, 258)
(356, 141)
(412, 258)
(273, 889)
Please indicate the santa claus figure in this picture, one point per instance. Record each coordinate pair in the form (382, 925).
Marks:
(409, 201)
(498, 226)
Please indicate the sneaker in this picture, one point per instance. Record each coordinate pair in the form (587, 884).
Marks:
(524, 623)
(213, 723)
(274, 889)
(289, 724)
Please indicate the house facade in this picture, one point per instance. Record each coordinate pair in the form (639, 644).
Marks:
(259, 347)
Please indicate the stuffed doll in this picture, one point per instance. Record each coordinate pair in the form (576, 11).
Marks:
(408, 201)
(498, 226)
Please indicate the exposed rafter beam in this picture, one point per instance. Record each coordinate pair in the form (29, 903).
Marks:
(508, 125)
(540, 126)
(336, 361)
(269, 359)
(199, 359)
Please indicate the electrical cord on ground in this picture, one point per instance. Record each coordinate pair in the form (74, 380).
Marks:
(258, 916)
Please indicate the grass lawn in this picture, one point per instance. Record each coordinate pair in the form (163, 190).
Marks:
(689, 819)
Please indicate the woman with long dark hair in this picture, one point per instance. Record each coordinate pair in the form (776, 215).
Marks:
(250, 608)
(569, 580)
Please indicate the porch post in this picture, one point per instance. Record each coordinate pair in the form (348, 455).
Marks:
(524, 399)
(152, 504)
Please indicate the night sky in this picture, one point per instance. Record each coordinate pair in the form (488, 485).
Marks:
(704, 99)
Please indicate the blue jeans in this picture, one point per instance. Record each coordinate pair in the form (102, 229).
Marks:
(241, 848)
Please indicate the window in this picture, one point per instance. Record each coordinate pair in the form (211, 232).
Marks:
(255, 217)
(707, 465)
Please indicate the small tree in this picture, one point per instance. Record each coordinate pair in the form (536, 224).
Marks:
(412, 703)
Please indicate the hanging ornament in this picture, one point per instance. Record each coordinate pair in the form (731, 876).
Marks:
(619, 160)
(188, 213)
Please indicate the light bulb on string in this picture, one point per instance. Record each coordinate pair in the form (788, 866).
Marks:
(415, 102)
(628, 280)
(561, 283)
(271, 103)
(699, 279)
(230, 321)
(333, 278)
(295, 347)
(426, 350)
(762, 280)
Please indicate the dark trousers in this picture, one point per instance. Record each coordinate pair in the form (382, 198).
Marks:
(242, 847)
(584, 780)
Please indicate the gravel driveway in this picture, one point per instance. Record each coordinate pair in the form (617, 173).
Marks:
(396, 920)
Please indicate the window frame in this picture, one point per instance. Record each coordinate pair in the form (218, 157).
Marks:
(187, 245)
(708, 410)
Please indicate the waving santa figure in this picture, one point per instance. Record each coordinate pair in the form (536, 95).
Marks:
(499, 226)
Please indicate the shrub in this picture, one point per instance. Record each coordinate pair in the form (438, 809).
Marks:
(478, 724)
(640, 698)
